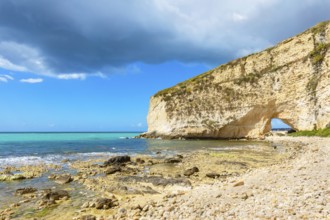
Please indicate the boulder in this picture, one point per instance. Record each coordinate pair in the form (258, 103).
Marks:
(117, 160)
(191, 171)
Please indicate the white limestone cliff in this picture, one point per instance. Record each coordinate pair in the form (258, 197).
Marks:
(290, 81)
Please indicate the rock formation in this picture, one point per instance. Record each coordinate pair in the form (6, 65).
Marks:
(290, 81)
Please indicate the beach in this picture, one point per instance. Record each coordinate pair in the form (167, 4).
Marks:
(286, 179)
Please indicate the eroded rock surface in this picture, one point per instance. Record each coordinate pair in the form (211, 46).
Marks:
(289, 81)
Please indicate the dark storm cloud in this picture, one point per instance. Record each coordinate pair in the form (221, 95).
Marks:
(66, 37)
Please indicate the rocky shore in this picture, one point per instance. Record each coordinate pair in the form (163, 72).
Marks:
(290, 180)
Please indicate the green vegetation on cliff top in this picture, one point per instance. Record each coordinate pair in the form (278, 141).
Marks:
(320, 133)
(316, 57)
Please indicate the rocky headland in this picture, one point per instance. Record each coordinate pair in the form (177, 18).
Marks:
(289, 81)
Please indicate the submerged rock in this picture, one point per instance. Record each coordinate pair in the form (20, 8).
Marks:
(56, 195)
(23, 191)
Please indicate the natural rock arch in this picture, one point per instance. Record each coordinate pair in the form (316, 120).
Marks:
(290, 81)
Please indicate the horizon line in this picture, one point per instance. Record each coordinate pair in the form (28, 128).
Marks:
(72, 131)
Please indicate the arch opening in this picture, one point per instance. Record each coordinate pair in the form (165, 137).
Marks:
(278, 124)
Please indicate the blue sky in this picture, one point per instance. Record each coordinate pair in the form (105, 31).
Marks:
(118, 102)
(93, 65)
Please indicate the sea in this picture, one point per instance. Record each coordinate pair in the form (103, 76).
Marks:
(33, 148)
(21, 149)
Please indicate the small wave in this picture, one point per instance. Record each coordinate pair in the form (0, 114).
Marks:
(24, 160)
(97, 154)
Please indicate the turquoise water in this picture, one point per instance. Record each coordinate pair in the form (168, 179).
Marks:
(32, 148)
(35, 148)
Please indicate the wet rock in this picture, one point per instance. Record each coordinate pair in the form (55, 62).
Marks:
(112, 170)
(45, 202)
(240, 183)
(179, 156)
(64, 179)
(52, 176)
(56, 195)
(23, 191)
(191, 171)
(173, 160)
(11, 177)
(117, 160)
(213, 175)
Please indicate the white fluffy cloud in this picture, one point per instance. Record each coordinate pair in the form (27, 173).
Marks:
(32, 80)
(75, 39)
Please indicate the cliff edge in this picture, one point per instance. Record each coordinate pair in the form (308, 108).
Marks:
(290, 81)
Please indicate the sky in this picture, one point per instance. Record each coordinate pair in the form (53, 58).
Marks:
(93, 65)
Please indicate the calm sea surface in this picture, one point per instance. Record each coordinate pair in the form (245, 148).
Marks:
(32, 148)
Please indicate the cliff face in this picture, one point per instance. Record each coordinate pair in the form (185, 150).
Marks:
(290, 81)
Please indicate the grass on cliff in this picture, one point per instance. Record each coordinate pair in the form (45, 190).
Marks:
(320, 133)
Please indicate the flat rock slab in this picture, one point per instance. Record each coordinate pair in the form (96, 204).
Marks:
(156, 181)
(64, 179)
(112, 170)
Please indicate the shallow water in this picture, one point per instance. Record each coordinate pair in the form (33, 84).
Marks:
(17, 149)
(34, 148)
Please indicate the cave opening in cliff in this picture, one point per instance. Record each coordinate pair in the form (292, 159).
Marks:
(278, 124)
